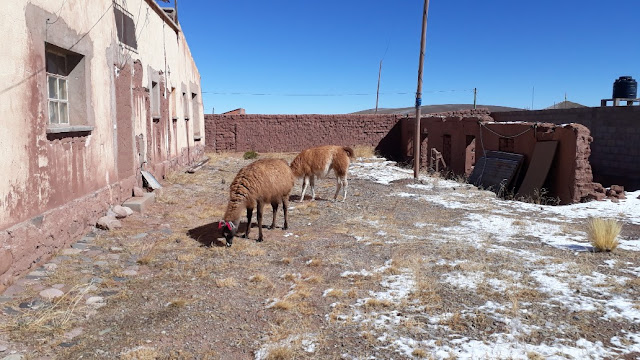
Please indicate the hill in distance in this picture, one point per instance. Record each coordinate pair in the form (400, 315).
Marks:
(430, 109)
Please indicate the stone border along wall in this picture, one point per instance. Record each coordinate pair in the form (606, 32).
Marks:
(30, 243)
(288, 133)
(615, 151)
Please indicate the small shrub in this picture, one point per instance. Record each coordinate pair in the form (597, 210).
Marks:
(364, 151)
(603, 233)
(250, 155)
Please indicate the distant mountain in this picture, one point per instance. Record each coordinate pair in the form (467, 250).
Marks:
(565, 105)
(430, 109)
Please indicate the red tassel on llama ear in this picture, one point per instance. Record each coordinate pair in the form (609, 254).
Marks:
(230, 226)
(221, 224)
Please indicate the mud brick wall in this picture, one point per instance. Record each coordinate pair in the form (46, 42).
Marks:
(285, 133)
(615, 151)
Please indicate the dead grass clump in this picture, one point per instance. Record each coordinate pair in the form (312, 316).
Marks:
(312, 279)
(290, 277)
(286, 261)
(280, 353)
(373, 303)
(532, 355)
(419, 353)
(257, 278)
(603, 233)
(176, 303)
(186, 258)
(336, 293)
(254, 251)
(314, 262)
(140, 353)
(363, 151)
(58, 317)
(228, 282)
(283, 305)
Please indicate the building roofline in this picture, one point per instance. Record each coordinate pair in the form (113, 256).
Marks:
(163, 15)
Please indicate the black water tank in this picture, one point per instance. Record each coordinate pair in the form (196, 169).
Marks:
(625, 87)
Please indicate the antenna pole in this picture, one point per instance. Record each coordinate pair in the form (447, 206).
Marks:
(416, 140)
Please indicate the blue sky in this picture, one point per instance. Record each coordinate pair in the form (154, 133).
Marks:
(322, 57)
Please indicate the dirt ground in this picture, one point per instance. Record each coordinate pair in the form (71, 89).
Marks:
(374, 277)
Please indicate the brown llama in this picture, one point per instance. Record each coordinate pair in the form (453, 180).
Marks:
(317, 162)
(265, 181)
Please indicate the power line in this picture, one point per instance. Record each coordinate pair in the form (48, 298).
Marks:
(329, 94)
(94, 25)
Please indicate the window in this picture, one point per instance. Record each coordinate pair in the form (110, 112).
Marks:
(66, 91)
(125, 27)
(57, 88)
(505, 144)
(196, 116)
(155, 100)
(172, 101)
(185, 105)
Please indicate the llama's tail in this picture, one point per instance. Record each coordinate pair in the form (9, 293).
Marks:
(349, 151)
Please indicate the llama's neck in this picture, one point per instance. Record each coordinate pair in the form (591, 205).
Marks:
(234, 208)
(296, 167)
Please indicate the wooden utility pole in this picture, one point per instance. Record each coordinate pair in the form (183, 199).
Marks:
(416, 140)
(475, 96)
(378, 91)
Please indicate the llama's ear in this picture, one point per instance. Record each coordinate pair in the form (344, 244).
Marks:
(230, 225)
(221, 224)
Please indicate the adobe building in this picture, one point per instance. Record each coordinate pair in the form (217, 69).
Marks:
(91, 93)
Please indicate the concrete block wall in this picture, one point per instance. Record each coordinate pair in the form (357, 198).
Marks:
(615, 150)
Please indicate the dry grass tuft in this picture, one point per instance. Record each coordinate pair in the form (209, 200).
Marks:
(603, 233)
(281, 353)
(254, 251)
(363, 151)
(286, 261)
(336, 293)
(532, 355)
(314, 262)
(177, 303)
(140, 353)
(228, 282)
(283, 305)
(419, 353)
(257, 278)
(145, 260)
(377, 303)
(60, 316)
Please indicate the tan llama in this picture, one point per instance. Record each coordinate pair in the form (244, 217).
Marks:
(317, 162)
(265, 181)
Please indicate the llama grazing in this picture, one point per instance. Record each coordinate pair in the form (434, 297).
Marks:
(317, 162)
(265, 181)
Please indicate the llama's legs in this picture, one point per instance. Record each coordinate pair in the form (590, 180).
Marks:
(285, 208)
(304, 187)
(345, 184)
(274, 206)
(338, 187)
(259, 215)
(249, 216)
(312, 180)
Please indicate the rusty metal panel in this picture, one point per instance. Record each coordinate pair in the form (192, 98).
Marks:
(541, 160)
(496, 170)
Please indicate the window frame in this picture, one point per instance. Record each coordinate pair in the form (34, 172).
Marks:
(59, 74)
(58, 101)
(68, 69)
